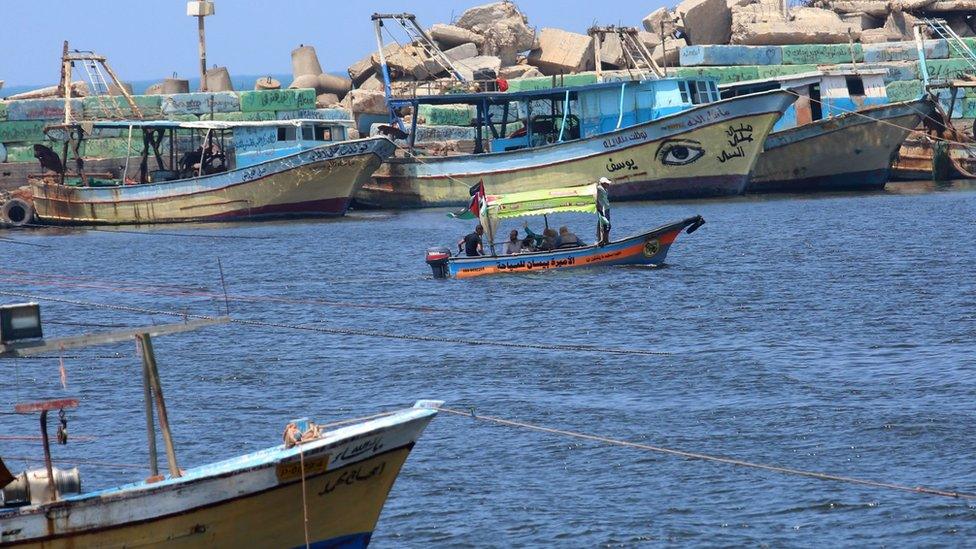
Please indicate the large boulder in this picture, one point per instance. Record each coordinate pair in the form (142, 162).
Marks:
(409, 62)
(612, 52)
(561, 52)
(652, 23)
(449, 36)
(506, 31)
(764, 24)
(706, 21)
(366, 101)
(875, 8)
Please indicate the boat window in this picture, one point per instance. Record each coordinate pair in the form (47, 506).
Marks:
(713, 88)
(287, 133)
(683, 88)
(308, 133)
(323, 133)
(855, 86)
(700, 92)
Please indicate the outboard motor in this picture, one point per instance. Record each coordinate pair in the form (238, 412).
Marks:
(437, 259)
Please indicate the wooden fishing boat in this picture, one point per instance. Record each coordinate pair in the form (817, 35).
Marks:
(675, 149)
(210, 171)
(841, 134)
(323, 487)
(648, 248)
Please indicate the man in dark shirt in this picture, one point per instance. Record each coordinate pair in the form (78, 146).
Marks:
(472, 243)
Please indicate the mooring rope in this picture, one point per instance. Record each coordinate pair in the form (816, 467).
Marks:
(711, 458)
(349, 331)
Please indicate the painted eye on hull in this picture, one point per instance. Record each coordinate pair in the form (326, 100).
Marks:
(679, 153)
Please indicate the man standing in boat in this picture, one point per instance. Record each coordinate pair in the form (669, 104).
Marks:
(473, 246)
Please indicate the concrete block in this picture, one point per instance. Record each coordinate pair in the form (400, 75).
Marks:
(546, 82)
(948, 69)
(200, 103)
(304, 61)
(653, 22)
(334, 113)
(271, 100)
(42, 109)
(669, 53)
(859, 21)
(451, 36)
(3, 111)
(366, 102)
(462, 51)
(113, 107)
(255, 116)
(562, 52)
(361, 70)
(22, 131)
(330, 83)
(904, 51)
(904, 90)
(323, 100)
(218, 79)
(717, 55)
(776, 71)
(468, 67)
(822, 54)
(516, 71)
(706, 21)
(447, 115)
(612, 52)
(305, 81)
(724, 75)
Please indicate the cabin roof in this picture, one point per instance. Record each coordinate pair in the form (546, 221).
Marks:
(476, 98)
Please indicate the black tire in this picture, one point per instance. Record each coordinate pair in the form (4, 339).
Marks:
(16, 213)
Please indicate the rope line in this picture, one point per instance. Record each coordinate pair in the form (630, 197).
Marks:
(349, 331)
(716, 459)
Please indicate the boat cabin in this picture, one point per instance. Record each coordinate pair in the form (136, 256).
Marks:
(821, 94)
(527, 119)
(162, 150)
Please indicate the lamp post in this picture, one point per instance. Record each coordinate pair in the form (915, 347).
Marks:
(201, 9)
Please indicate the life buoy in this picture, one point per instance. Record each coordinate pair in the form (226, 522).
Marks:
(16, 212)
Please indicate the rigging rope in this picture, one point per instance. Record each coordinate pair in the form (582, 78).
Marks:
(711, 458)
(350, 331)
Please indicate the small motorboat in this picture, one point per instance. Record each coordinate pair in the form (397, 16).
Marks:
(648, 248)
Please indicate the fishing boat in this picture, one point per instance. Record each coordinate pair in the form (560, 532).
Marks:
(206, 171)
(653, 137)
(324, 486)
(648, 248)
(841, 134)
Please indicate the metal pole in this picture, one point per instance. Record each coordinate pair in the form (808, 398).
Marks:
(203, 54)
(47, 457)
(149, 356)
(150, 422)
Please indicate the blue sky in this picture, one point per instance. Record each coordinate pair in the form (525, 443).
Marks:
(151, 39)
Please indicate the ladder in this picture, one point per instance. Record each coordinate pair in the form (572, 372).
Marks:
(957, 45)
(636, 54)
(417, 37)
(93, 65)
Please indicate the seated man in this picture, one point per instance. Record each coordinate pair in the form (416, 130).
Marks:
(567, 239)
(513, 246)
(472, 243)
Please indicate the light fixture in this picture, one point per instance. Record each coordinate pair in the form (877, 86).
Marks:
(20, 321)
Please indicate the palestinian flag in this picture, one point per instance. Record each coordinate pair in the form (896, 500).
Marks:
(473, 210)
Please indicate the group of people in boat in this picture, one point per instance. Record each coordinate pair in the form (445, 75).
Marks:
(473, 245)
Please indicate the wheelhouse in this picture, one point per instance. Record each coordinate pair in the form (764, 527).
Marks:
(160, 151)
(819, 94)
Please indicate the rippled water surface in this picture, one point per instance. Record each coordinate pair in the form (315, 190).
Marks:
(830, 333)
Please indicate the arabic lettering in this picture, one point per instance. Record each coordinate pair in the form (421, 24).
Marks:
(369, 446)
(742, 134)
(706, 116)
(352, 476)
(637, 135)
(726, 155)
(629, 164)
